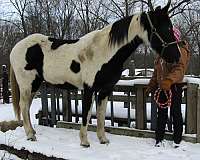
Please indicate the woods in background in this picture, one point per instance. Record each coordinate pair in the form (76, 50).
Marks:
(71, 19)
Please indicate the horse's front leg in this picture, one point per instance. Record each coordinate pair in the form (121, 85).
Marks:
(88, 99)
(101, 111)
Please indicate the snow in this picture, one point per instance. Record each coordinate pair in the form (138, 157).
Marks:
(192, 80)
(138, 71)
(7, 112)
(7, 156)
(133, 82)
(64, 143)
(145, 81)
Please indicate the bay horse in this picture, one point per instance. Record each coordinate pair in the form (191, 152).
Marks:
(93, 63)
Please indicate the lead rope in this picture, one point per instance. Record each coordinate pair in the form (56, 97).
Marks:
(168, 94)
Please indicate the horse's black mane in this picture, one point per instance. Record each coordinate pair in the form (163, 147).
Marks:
(144, 21)
(119, 30)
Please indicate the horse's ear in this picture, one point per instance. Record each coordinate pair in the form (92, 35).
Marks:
(166, 8)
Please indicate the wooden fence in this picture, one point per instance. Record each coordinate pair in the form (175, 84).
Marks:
(61, 105)
(4, 86)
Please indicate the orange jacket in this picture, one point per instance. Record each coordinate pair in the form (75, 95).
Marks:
(173, 72)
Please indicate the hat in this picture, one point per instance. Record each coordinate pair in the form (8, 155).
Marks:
(177, 34)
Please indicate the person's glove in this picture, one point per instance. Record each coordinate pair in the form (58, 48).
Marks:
(166, 84)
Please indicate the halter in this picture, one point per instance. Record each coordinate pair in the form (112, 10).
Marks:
(154, 31)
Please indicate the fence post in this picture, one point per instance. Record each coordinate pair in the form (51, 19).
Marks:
(111, 110)
(198, 115)
(191, 109)
(58, 103)
(44, 100)
(140, 107)
(66, 102)
(5, 90)
(129, 110)
(53, 106)
(131, 68)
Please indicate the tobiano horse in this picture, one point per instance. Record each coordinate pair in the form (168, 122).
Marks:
(93, 63)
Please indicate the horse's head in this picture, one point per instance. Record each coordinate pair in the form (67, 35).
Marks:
(160, 33)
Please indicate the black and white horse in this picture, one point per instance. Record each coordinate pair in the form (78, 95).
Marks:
(93, 63)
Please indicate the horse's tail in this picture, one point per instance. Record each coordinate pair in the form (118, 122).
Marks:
(15, 94)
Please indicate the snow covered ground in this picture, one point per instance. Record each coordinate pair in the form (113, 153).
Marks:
(64, 143)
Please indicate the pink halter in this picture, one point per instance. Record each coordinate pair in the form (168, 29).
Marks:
(177, 34)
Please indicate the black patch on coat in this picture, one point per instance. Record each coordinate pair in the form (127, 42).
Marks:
(144, 22)
(103, 93)
(66, 86)
(119, 30)
(34, 59)
(58, 42)
(111, 72)
(75, 66)
(36, 84)
(87, 102)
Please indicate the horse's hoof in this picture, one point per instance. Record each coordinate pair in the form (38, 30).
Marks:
(103, 140)
(31, 138)
(106, 141)
(34, 132)
(85, 145)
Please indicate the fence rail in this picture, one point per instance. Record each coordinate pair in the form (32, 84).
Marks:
(63, 105)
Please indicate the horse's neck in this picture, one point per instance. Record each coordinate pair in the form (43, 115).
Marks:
(129, 48)
(131, 43)
(135, 28)
(99, 42)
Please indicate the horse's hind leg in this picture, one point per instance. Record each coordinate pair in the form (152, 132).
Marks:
(101, 111)
(88, 98)
(25, 101)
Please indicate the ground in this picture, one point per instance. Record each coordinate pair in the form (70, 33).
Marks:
(64, 143)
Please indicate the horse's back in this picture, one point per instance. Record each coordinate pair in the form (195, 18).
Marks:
(20, 49)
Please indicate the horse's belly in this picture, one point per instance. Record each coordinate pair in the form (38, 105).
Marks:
(61, 77)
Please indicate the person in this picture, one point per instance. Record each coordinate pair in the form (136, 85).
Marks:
(169, 78)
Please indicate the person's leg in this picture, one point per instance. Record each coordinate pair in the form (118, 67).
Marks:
(161, 124)
(176, 113)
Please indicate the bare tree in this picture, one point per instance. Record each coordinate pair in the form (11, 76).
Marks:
(64, 14)
(20, 6)
(73, 18)
(89, 13)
